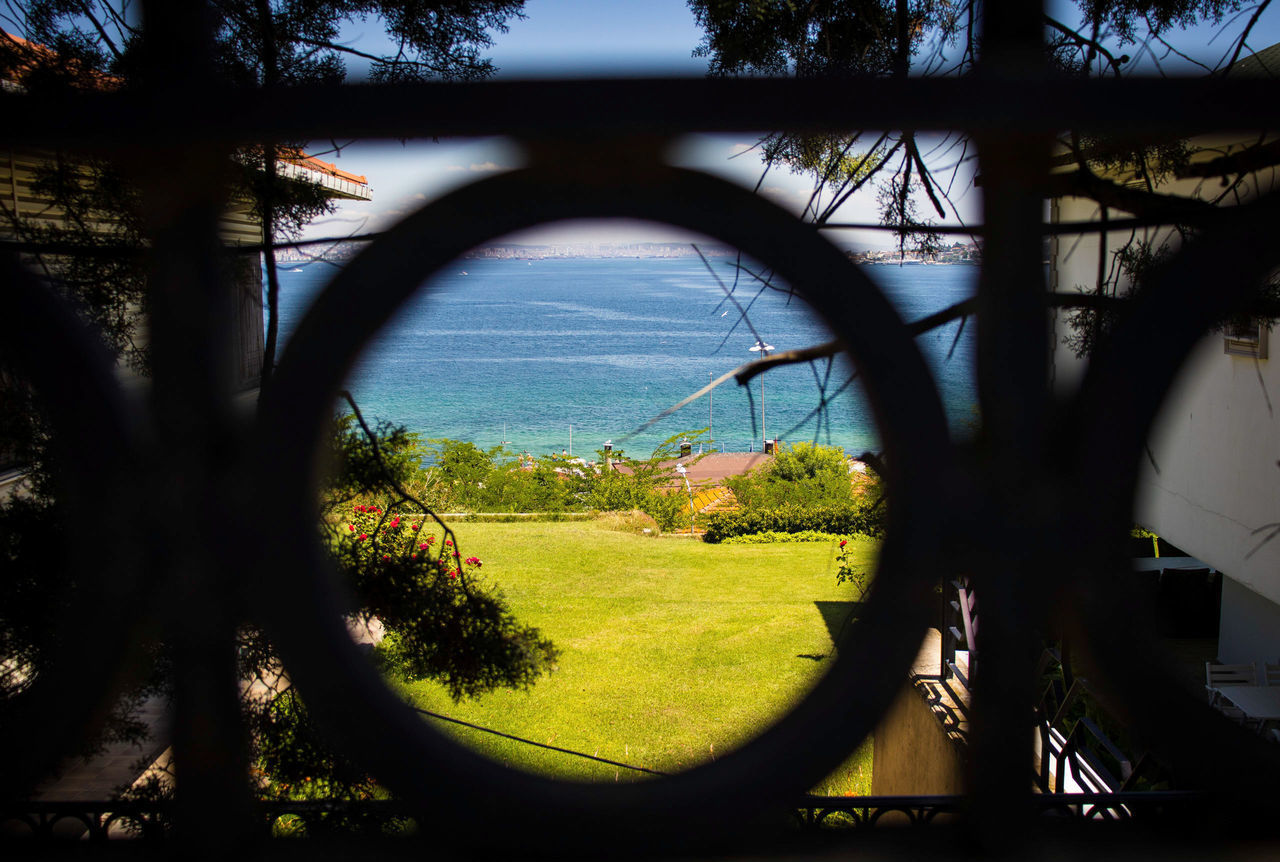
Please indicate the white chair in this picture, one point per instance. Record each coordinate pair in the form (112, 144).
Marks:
(1220, 676)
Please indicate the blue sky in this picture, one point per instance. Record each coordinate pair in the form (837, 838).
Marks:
(636, 37)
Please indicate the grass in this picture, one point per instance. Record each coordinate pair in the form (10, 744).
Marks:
(672, 651)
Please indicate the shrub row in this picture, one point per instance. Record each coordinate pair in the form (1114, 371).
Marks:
(846, 519)
(772, 538)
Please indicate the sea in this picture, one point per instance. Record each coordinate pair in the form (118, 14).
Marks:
(568, 354)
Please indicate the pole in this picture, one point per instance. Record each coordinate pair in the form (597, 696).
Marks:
(764, 446)
(570, 441)
(711, 411)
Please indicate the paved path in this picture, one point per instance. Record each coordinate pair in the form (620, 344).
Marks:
(119, 765)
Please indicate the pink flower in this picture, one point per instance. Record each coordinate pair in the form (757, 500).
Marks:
(473, 561)
(422, 547)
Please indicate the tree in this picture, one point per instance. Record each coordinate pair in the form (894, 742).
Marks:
(270, 44)
(95, 257)
(895, 38)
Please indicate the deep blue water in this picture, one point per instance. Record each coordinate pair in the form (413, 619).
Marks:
(603, 345)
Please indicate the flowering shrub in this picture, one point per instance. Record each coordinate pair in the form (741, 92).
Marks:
(442, 621)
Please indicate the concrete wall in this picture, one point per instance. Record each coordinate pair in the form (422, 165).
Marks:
(914, 755)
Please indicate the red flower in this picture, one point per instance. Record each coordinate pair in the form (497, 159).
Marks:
(413, 556)
(386, 556)
(453, 573)
(448, 543)
(473, 561)
(844, 542)
(415, 528)
(351, 527)
(395, 523)
(431, 540)
(363, 536)
(422, 547)
(359, 508)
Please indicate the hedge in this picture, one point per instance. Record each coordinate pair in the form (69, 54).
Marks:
(846, 520)
(772, 538)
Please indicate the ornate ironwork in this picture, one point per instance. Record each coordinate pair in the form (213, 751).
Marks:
(1058, 477)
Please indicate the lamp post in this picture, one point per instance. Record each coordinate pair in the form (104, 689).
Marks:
(763, 349)
(711, 412)
(684, 474)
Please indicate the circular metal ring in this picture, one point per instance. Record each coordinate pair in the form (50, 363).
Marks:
(52, 349)
(427, 768)
(1113, 415)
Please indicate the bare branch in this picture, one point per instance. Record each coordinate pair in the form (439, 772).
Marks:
(1244, 36)
(395, 486)
(1143, 204)
(1253, 158)
(1093, 44)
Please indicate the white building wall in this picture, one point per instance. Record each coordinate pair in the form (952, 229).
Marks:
(1216, 492)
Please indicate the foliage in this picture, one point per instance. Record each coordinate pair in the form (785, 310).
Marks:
(853, 37)
(773, 538)
(358, 470)
(1128, 18)
(443, 621)
(862, 517)
(669, 508)
(272, 44)
(800, 474)
(1137, 267)
(467, 478)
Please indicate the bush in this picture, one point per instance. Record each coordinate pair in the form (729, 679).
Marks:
(670, 510)
(772, 538)
(799, 474)
(863, 517)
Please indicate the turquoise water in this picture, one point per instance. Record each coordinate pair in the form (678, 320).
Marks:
(604, 345)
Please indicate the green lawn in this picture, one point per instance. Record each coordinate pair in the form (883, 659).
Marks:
(672, 651)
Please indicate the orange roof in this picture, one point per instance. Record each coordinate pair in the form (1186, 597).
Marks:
(40, 53)
(298, 157)
(37, 54)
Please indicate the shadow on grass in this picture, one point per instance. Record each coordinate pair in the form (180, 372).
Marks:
(837, 616)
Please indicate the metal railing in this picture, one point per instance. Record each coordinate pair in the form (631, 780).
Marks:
(1056, 476)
